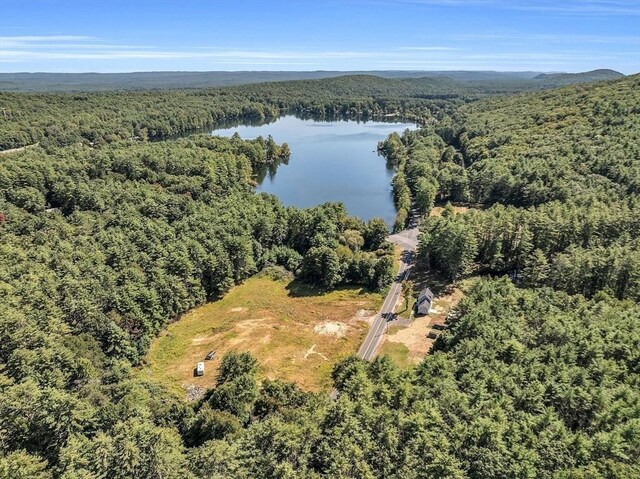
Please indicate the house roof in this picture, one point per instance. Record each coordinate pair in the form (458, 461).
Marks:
(425, 295)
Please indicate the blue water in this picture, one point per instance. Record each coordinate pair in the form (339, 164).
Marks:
(330, 161)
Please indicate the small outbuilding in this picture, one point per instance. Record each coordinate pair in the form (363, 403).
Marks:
(423, 305)
(200, 369)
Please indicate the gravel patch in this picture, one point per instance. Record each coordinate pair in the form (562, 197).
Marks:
(331, 329)
(194, 393)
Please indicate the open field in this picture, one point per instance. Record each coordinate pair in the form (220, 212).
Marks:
(297, 333)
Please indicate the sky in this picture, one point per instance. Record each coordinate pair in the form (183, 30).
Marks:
(199, 35)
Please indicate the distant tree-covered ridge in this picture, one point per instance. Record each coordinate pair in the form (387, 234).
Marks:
(102, 117)
(569, 78)
(60, 119)
(168, 80)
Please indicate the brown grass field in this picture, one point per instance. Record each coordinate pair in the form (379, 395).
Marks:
(297, 333)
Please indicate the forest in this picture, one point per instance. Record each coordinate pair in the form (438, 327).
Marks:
(110, 228)
(554, 179)
(96, 118)
(62, 119)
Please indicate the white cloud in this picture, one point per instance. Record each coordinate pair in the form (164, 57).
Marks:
(249, 55)
(81, 51)
(69, 47)
(407, 57)
(551, 38)
(38, 41)
(583, 7)
(560, 7)
(429, 49)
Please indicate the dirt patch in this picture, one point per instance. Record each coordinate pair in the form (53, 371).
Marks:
(252, 323)
(201, 340)
(331, 329)
(237, 310)
(414, 338)
(312, 350)
(364, 316)
(250, 330)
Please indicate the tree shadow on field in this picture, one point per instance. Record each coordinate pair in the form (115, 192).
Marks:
(300, 289)
(423, 278)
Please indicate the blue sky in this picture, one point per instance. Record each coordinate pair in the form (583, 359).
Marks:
(142, 35)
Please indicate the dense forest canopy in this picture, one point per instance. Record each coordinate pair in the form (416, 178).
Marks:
(96, 118)
(106, 236)
(558, 174)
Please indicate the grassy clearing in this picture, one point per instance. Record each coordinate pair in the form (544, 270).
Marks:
(397, 352)
(402, 310)
(297, 333)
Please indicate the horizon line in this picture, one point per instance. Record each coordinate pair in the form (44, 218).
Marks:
(310, 71)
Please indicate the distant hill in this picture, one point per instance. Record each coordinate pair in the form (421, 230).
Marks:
(584, 77)
(44, 82)
(483, 80)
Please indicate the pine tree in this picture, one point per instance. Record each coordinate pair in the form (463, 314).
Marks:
(536, 270)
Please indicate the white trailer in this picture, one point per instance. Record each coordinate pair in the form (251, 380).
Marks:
(200, 369)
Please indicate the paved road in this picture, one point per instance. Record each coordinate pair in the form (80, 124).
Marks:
(408, 239)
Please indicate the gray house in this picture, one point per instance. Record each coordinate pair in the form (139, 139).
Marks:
(423, 305)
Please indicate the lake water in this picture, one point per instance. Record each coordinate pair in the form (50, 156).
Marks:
(330, 161)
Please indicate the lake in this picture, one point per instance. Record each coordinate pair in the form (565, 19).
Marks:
(330, 161)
